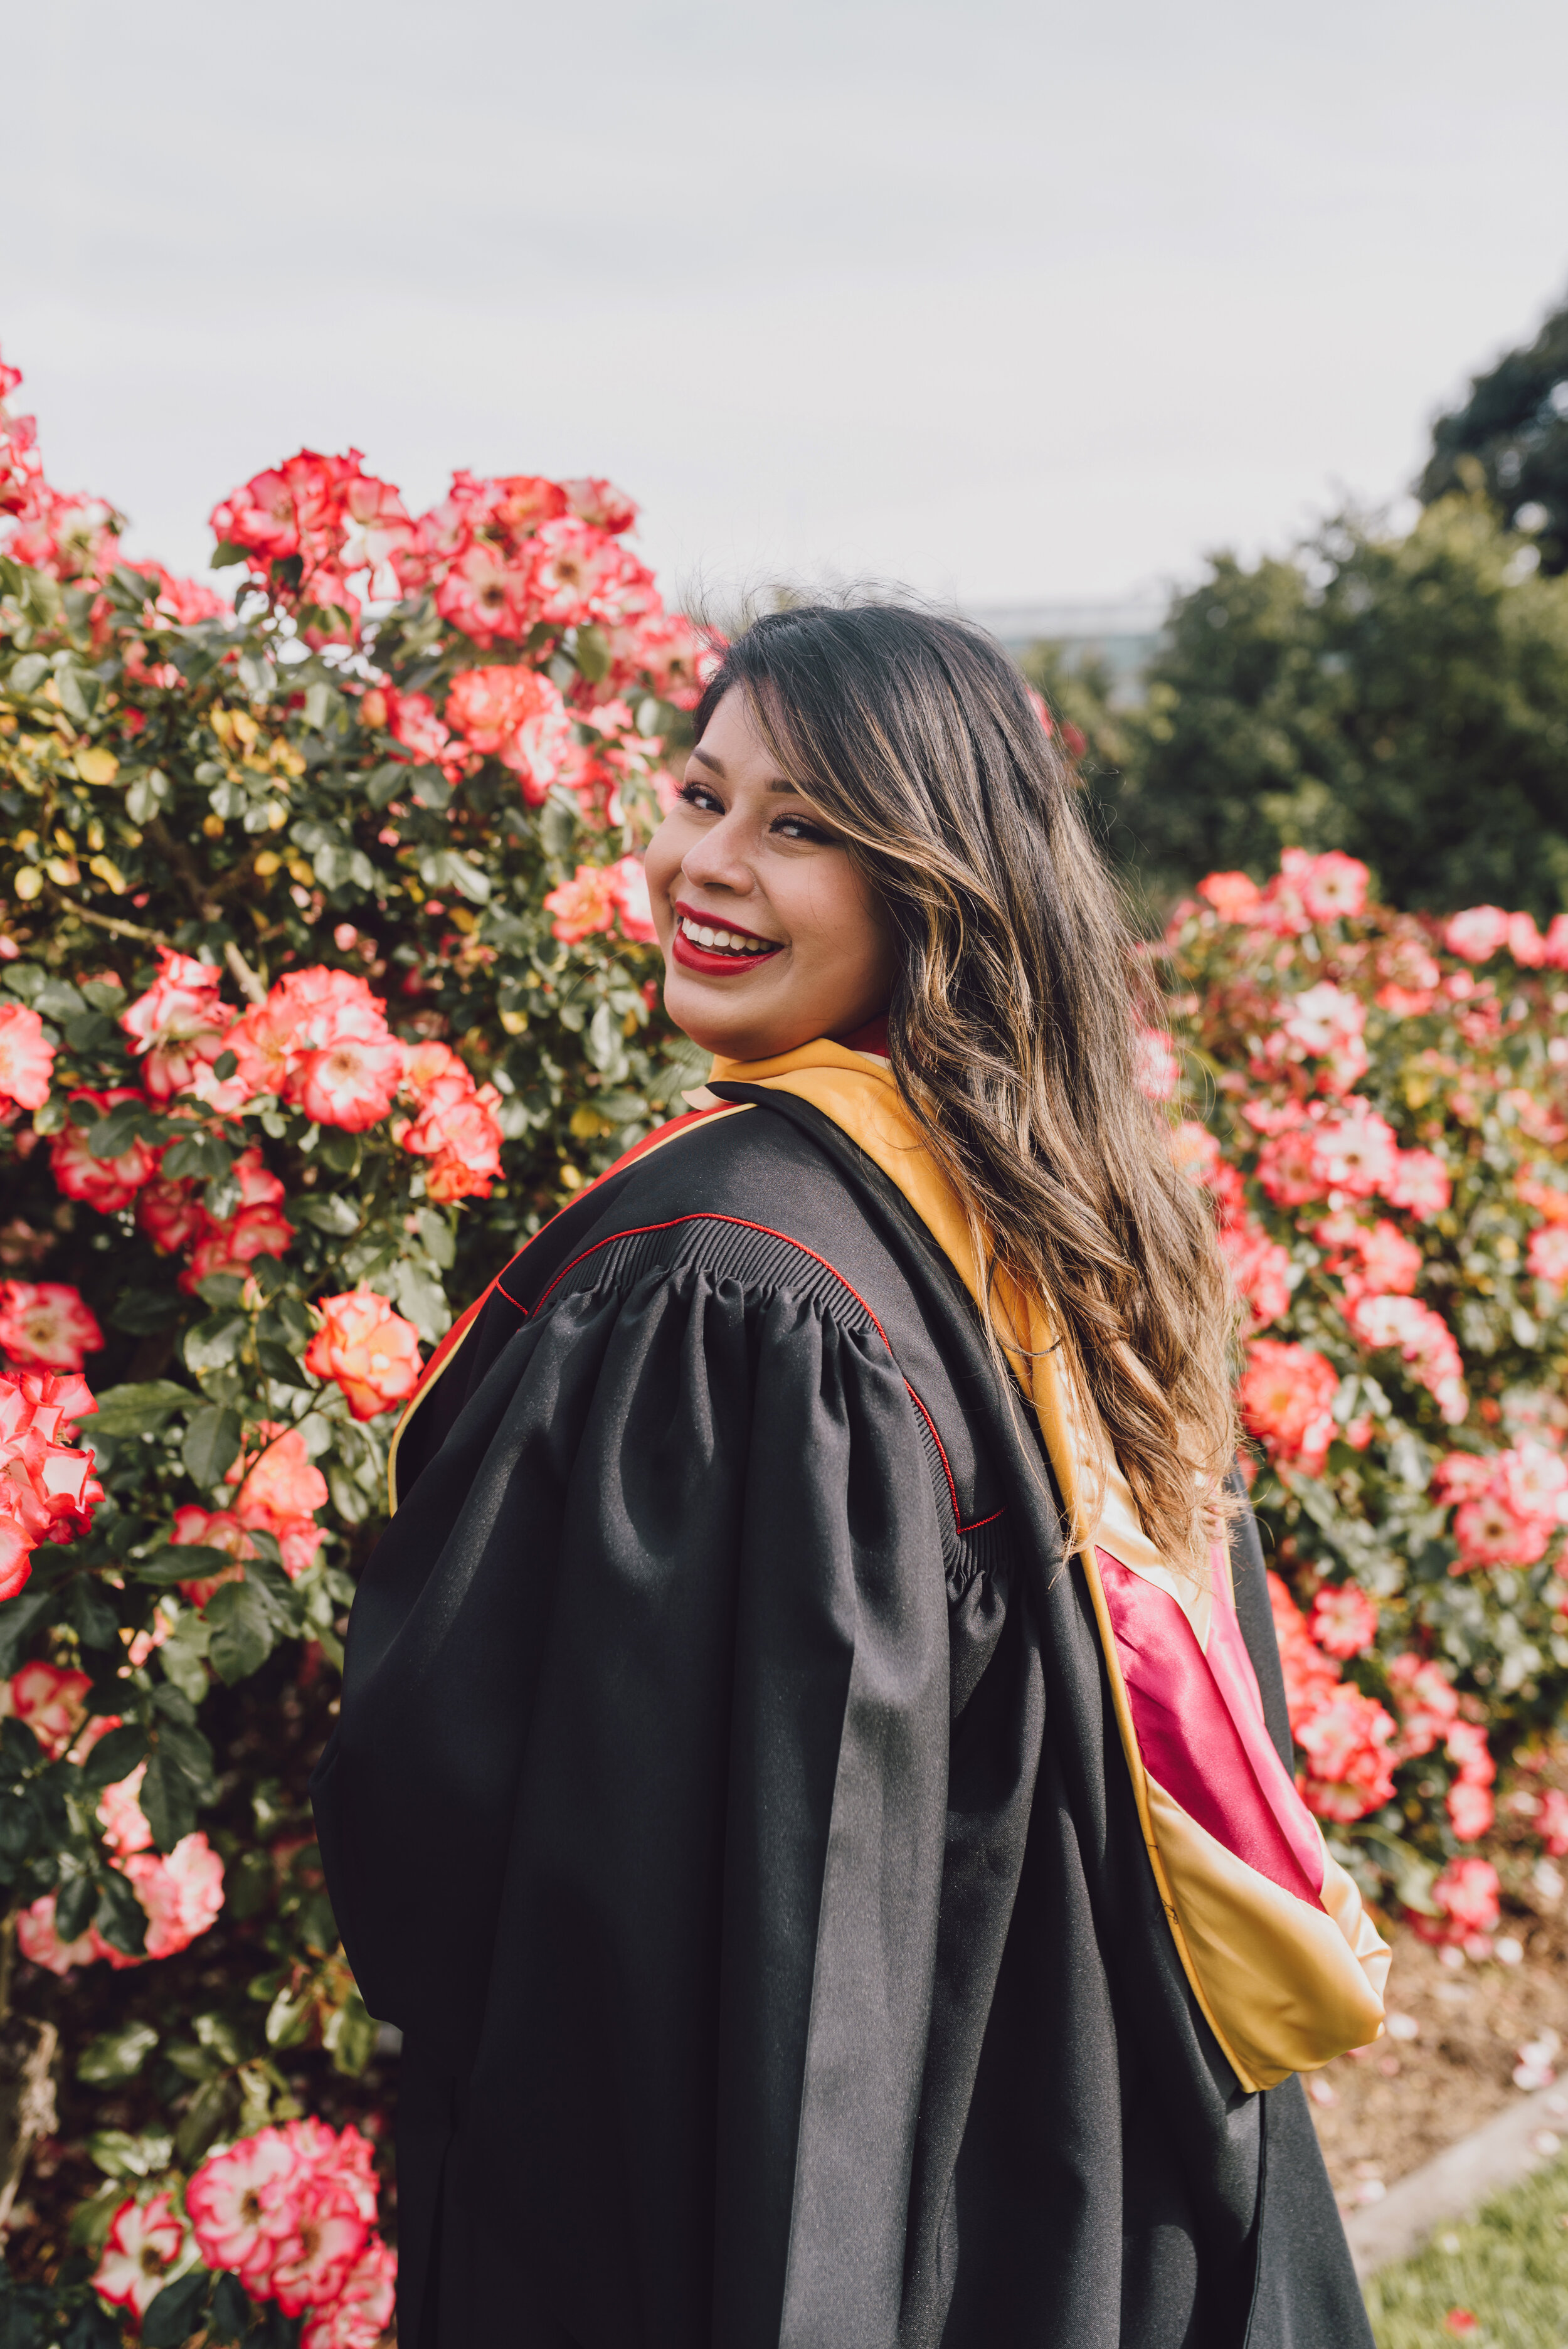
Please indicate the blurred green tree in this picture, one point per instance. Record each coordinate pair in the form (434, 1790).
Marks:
(1511, 437)
(1402, 699)
(1079, 691)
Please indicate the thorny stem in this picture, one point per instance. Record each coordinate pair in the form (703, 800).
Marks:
(245, 978)
(112, 922)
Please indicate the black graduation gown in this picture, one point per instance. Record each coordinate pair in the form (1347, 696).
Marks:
(727, 1805)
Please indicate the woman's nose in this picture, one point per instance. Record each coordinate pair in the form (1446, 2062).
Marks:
(717, 861)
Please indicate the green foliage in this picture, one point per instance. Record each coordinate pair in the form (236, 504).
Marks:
(1081, 694)
(1512, 437)
(222, 790)
(1403, 699)
(1508, 2269)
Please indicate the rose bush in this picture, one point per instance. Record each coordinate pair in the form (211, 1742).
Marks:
(1378, 1104)
(324, 977)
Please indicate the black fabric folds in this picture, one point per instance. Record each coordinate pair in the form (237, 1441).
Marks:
(726, 1805)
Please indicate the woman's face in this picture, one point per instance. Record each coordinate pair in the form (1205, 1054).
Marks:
(770, 936)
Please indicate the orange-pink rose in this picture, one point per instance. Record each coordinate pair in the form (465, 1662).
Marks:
(371, 1351)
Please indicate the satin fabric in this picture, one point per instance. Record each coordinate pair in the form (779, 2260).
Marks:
(1200, 1731)
(1337, 1975)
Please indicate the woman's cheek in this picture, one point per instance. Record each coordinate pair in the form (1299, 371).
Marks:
(661, 864)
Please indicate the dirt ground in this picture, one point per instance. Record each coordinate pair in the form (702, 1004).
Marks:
(1386, 2109)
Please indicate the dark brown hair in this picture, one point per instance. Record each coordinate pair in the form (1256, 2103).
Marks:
(1016, 1013)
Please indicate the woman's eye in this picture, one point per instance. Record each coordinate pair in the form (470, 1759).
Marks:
(699, 795)
(796, 827)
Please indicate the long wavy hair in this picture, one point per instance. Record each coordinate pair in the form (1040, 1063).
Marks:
(1017, 1009)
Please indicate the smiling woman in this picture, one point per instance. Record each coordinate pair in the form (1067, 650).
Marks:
(772, 933)
(812, 1783)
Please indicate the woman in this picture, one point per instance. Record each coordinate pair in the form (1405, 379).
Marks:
(802, 1785)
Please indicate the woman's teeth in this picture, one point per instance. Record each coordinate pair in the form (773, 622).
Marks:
(723, 941)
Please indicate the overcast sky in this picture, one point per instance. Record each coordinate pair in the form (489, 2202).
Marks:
(1009, 302)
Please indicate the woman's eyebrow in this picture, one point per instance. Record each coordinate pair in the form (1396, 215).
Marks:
(780, 783)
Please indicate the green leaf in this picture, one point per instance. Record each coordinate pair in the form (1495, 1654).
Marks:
(181, 1562)
(18, 1620)
(349, 2035)
(189, 1749)
(321, 700)
(182, 1655)
(225, 553)
(89, 1032)
(248, 1884)
(116, 2054)
(115, 1756)
(179, 1776)
(558, 825)
(74, 1905)
(132, 588)
(176, 2313)
(443, 868)
(200, 1155)
(242, 1625)
(437, 1238)
(140, 1311)
(120, 2154)
(42, 598)
(193, 2063)
(230, 2317)
(289, 2020)
(591, 651)
(140, 1409)
(59, 999)
(423, 1301)
(332, 1214)
(113, 1136)
(216, 1341)
(384, 783)
(283, 1598)
(95, 1623)
(174, 1707)
(79, 691)
(220, 1289)
(146, 794)
(119, 1915)
(21, 1813)
(205, 2118)
(27, 674)
(168, 1801)
(606, 1048)
(217, 2032)
(269, 1275)
(212, 1439)
(280, 1365)
(340, 1150)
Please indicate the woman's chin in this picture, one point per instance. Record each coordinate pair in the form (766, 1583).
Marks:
(727, 1034)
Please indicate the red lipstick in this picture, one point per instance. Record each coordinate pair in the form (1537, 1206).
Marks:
(705, 961)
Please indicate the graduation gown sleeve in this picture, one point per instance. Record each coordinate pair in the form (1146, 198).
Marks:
(645, 1722)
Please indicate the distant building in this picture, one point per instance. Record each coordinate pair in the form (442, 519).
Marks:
(1124, 636)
